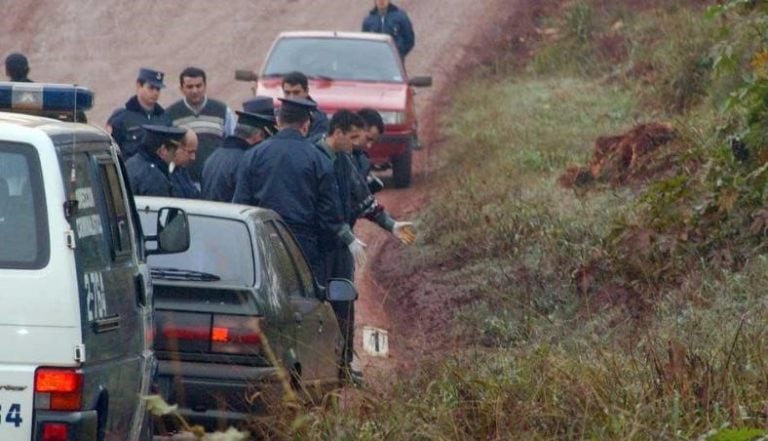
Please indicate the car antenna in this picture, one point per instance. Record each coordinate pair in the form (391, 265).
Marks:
(71, 204)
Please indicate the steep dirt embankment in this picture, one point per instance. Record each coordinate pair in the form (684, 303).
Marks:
(102, 43)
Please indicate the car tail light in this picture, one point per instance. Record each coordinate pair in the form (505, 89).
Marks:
(234, 334)
(58, 389)
(55, 432)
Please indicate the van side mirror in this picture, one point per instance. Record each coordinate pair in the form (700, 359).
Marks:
(246, 75)
(341, 290)
(172, 232)
(423, 81)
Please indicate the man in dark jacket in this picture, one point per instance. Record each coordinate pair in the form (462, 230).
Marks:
(125, 124)
(296, 85)
(254, 124)
(291, 176)
(212, 120)
(182, 184)
(148, 169)
(386, 18)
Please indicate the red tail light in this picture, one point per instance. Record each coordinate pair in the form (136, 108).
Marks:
(58, 389)
(234, 334)
(55, 432)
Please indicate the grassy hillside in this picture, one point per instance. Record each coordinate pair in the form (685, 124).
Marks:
(599, 222)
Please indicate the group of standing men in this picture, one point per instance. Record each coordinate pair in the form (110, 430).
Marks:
(313, 172)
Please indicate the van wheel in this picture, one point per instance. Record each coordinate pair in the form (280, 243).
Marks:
(401, 169)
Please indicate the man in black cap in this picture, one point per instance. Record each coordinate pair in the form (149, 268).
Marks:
(125, 123)
(254, 124)
(212, 120)
(17, 68)
(148, 169)
(296, 85)
(289, 175)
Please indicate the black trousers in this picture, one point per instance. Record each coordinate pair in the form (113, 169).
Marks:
(340, 264)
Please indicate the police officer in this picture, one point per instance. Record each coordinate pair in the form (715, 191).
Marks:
(182, 184)
(148, 169)
(17, 68)
(211, 119)
(254, 124)
(291, 176)
(296, 85)
(386, 18)
(125, 124)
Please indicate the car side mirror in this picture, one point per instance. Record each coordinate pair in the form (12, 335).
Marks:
(246, 75)
(341, 290)
(423, 81)
(172, 232)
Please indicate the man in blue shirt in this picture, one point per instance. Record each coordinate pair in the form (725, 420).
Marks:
(386, 18)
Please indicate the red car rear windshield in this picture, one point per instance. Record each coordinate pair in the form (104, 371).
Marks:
(335, 58)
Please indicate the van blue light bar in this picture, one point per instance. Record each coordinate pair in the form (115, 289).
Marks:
(44, 97)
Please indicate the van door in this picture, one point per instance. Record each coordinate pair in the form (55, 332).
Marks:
(115, 367)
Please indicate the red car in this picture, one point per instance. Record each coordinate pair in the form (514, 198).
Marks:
(352, 70)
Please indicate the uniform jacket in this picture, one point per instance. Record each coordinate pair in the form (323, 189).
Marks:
(394, 22)
(319, 126)
(148, 175)
(220, 170)
(209, 123)
(182, 185)
(126, 124)
(291, 176)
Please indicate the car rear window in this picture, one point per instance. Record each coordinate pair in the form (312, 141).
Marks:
(217, 246)
(335, 58)
(24, 242)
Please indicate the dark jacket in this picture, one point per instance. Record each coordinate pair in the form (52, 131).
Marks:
(291, 176)
(182, 184)
(126, 124)
(220, 170)
(148, 174)
(318, 126)
(394, 22)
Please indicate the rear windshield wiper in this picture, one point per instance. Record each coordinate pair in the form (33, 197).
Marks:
(182, 274)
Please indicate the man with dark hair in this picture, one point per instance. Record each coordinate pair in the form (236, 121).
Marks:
(386, 18)
(125, 124)
(254, 124)
(148, 170)
(17, 68)
(291, 176)
(374, 127)
(210, 119)
(296, 85)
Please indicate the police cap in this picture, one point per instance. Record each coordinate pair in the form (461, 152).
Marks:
(263, 105)
(157, 135)
(153, 77)
(297, 108)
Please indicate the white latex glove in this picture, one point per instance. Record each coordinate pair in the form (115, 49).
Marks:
(357, 248)
(405, 232)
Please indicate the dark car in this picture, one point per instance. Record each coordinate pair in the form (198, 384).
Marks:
(235, 308)
(352, 70)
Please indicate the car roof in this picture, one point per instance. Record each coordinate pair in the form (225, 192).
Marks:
(205, 208)
(335, 34)
(52, 127)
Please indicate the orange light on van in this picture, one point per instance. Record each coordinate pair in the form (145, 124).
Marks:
(58, 389)
(220, 335)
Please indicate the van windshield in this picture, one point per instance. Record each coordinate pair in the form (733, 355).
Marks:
(24, 240)
(335, 58)
(219, 247)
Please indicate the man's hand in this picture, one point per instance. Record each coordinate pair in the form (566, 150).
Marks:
(405, 232)
(357, 248)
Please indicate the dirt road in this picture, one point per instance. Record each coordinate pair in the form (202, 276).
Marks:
(102, 44)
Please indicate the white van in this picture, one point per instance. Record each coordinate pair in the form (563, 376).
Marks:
(75, 352)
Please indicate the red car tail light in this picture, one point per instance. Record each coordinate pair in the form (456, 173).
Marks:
(234, 334)
(58, 389)
(55, 432)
